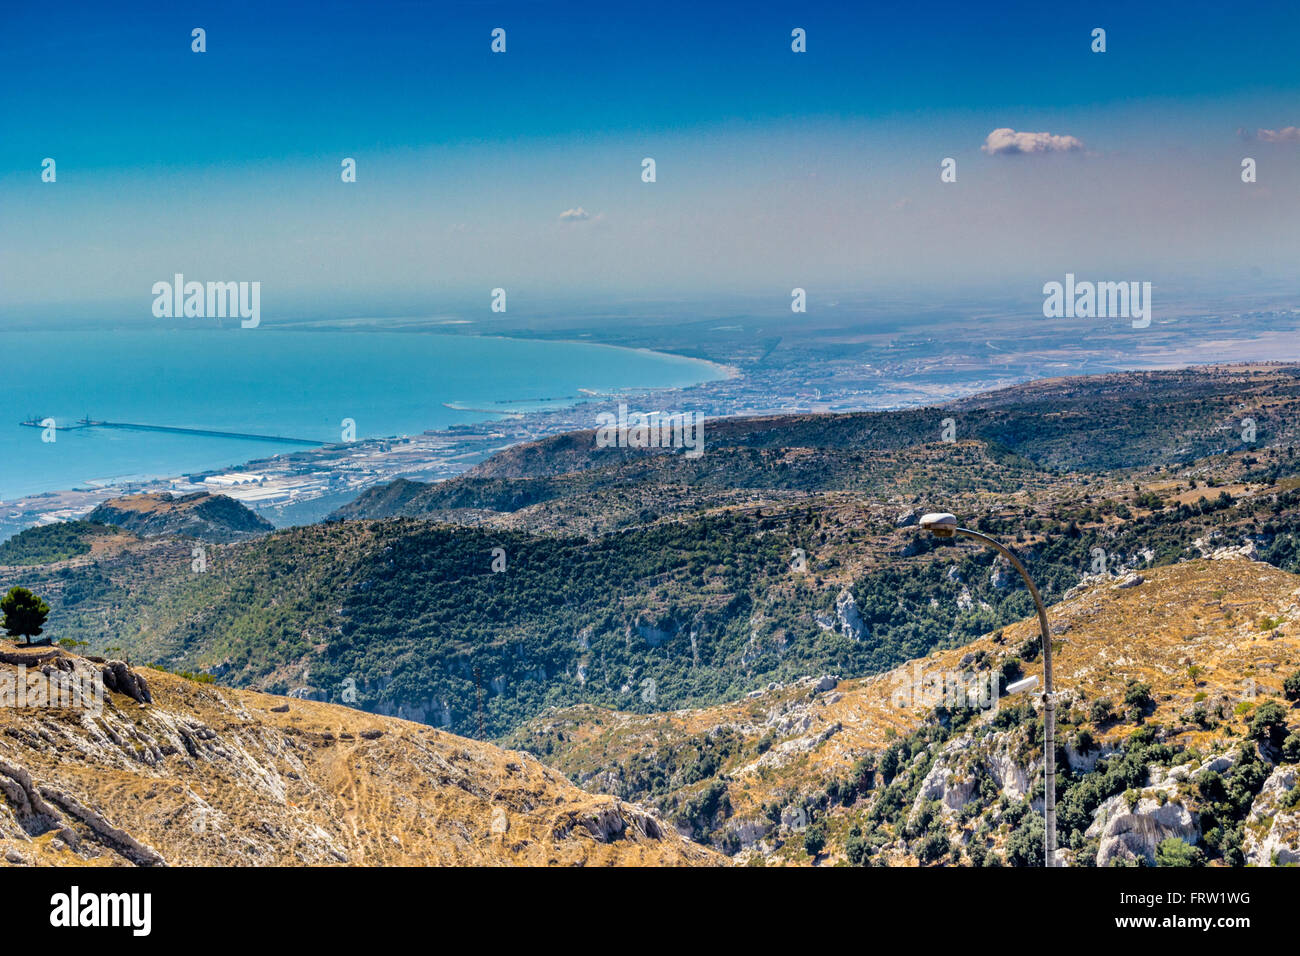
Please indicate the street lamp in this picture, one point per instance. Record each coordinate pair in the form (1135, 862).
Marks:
(944, 525)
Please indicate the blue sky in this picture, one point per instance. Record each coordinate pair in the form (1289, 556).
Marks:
(774, 169)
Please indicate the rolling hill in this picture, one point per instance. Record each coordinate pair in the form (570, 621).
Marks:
(198, 515)
(1161, 682)
(174, 772)
(654, 582)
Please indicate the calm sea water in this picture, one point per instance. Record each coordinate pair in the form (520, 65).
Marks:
(299, 384)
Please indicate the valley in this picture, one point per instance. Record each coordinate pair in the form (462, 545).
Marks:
(733, 641)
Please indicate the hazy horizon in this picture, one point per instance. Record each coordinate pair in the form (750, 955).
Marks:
(522, 170)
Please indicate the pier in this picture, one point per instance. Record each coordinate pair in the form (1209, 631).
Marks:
(173, 429)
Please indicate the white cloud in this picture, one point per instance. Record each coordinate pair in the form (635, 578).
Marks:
(1288, 134)
(574, 215)
(1004, 141)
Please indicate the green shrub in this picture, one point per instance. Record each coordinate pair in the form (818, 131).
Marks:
(1269, 723)
(1102, 712)
(1138, 700)
(1291, 686)
(933, 848)
(1177, 852)
(814, 838)
(1025, 845)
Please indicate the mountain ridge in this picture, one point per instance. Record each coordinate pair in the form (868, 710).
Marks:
(188, 773)
(198, 514)
(670, 582)
(1212, 641)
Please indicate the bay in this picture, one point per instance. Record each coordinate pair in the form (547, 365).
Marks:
(300, 384)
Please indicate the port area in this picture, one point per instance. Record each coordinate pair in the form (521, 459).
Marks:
(171, 429)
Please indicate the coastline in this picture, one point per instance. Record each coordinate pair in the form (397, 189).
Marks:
(727, 371)
(816, 374)
(434, 454)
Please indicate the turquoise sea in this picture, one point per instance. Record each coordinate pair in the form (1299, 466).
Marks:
(290, 383)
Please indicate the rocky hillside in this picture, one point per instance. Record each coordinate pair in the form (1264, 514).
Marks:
(701, 635)
(1177, 720)
(1016, 437)
(178, 772)
(197, 515)
(655, 582)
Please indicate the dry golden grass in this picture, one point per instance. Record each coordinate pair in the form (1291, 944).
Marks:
(207, 775)
(1199, 632)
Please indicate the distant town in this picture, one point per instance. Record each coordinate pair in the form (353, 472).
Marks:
(773, 371)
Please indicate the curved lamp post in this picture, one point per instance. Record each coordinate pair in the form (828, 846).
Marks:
(944, 525)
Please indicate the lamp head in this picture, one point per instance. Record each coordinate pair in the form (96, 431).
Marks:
(940, 524)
